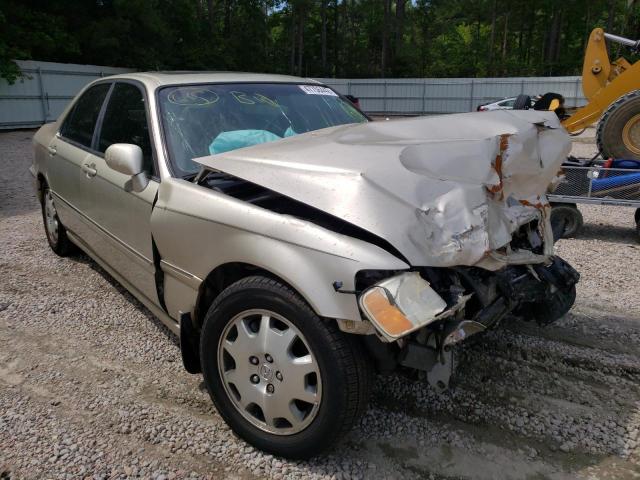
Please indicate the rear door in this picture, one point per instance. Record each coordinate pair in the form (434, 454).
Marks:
(123, 216)
(70, 154)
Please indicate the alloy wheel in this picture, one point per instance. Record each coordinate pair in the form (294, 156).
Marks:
(269, 372)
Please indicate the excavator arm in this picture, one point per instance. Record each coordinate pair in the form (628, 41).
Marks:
(613, 92)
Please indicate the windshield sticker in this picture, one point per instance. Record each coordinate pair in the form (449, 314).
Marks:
(193, 96)
(317, 90)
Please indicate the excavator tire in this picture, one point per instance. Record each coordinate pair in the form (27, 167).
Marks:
(618, 133)
(522, 102)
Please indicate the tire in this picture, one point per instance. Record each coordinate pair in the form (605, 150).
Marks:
(54, 230)
(339, 382)
(618, 132)
(554, 307)
(522, 102)
(566, 220)
(637, 219)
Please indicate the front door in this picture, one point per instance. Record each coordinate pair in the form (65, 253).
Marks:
(122, 216)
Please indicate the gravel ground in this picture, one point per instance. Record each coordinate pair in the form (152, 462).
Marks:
(91, 384)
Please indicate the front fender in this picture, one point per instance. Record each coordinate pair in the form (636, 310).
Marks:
(197, 229)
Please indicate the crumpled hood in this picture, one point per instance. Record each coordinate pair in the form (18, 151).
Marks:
(444, 190)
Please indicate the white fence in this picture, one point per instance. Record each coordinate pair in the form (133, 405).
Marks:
(415, 96)
(44, 91)
(47, 88)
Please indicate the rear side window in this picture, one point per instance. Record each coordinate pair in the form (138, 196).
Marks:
(81, 121)
(125, 121)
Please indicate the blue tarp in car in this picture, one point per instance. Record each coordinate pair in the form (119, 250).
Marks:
(227, 141)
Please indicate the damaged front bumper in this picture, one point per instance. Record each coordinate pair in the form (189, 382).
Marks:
(402, 304)
(421, 314)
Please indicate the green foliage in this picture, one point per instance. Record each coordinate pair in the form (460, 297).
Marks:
(430, 38)
(8, 68)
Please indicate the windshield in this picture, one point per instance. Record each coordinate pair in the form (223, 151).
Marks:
(208, 119)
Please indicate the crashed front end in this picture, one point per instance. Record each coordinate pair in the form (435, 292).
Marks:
(426, 311)
(421, 314)
(459, 200)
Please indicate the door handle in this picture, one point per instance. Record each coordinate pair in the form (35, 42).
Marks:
(52, 150)
(89, 170)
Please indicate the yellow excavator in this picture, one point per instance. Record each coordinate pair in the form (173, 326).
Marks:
(613, 93)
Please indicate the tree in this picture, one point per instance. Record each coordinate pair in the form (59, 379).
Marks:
(349, 38)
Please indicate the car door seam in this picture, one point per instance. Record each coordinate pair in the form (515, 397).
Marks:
(158, 274)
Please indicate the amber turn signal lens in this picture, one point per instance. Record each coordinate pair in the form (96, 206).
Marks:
(388, 316)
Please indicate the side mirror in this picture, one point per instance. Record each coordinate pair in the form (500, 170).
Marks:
(126, 158)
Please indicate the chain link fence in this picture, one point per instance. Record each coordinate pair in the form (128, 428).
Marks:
(600, 185)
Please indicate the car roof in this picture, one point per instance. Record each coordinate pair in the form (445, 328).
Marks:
(157, 79)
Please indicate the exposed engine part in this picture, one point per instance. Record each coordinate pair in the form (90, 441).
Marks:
(440, 374)
(419, 356)
(461, 331)
(439, 365)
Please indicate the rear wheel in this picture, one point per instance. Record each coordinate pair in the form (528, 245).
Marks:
(284, 380)
(566, 220)
(618, 133)
(56, 233)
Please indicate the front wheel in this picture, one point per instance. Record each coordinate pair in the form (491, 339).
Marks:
(284, 380)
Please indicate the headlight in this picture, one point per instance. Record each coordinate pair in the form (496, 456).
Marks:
(401, 304)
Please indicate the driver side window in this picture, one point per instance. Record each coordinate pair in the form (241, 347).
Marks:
(125, 121)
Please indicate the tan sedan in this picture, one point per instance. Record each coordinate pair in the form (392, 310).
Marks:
(298, 248)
